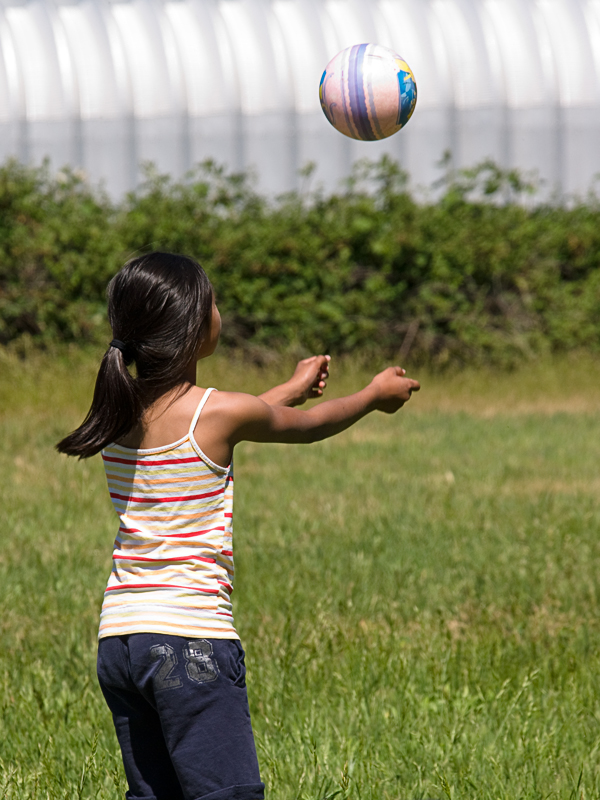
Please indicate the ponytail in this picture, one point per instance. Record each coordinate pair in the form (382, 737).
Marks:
(159, 308)
(116, 408)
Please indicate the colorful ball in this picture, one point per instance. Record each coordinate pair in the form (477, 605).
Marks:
(368, 92)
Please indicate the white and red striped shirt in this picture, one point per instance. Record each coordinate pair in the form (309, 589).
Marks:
(172, 560)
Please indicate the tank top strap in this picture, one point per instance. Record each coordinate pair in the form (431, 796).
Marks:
(201, 405)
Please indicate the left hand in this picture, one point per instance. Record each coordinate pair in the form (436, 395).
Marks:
(309, 379)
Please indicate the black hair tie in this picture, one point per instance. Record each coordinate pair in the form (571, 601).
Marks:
(119, 345)
(124, 348)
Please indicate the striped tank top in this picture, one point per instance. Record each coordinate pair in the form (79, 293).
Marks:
(172, 560)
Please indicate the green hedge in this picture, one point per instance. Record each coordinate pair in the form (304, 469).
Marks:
(478, 276)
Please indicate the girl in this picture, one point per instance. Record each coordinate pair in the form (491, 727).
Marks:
(170, 663)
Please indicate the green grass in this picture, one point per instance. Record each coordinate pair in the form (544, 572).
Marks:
(418, 598)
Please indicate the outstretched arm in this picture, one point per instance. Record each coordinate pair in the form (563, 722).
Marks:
(249, 418)
(308, 381)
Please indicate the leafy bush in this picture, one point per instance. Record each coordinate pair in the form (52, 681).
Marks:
(476, 276)
(58, 248)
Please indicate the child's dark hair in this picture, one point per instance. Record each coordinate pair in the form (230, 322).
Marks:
(159, 308)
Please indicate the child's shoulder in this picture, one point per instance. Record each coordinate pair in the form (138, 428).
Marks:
(165, 422)
(217, 407)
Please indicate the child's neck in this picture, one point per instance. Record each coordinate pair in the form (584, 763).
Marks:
(190, 372)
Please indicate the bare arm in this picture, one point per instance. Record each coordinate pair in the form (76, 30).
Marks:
(308, 381)
(230, 417)
(285, 424)
(251, 419)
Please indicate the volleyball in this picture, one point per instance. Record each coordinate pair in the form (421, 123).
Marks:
(368, 92)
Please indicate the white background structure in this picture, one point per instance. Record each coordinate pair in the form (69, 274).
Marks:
(107, 85)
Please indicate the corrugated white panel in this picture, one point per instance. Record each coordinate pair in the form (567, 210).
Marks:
(543, 44)
(573, 61)
(252, 56)
(117, 54)
(519, 53)
(406, 23)
(12, 99)
(346, 23)
(441, 55)
(35, 50)
(281, 62)
(592, 19)
(591, 10)
(65, 64)
(469, 65)
(214, 28)
(305, 48)
(92, 61)
(145, 57)
(201, 64)
(172, 51)
(107, 83)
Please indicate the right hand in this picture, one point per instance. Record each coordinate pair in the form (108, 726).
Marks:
(393, 389)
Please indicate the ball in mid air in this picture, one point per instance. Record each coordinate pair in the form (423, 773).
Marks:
(368, 92)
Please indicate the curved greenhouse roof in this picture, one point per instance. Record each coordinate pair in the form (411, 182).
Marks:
(107, 85)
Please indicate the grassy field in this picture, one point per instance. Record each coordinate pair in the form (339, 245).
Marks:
(419, 598)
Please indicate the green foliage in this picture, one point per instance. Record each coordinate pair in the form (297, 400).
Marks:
(58, 249)
(478, 276)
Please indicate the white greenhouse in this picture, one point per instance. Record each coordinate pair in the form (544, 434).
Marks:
(106, 85)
